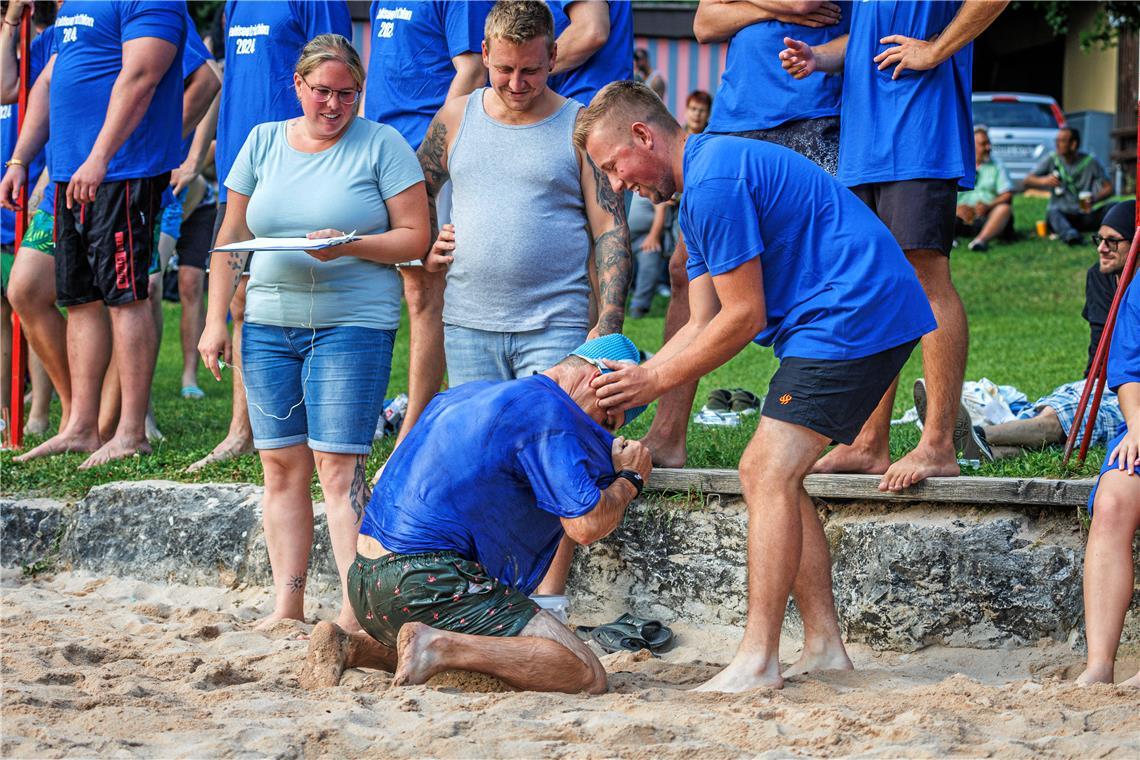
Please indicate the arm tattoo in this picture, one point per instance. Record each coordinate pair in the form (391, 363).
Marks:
(431, 154)
(235, 260)
(358, 493)
(296, 584)
(612, 257)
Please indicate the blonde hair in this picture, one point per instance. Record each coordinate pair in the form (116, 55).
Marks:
(330, 47)
(518, 22)
(624, 102)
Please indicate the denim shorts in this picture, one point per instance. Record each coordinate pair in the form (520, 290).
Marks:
(483, 355)
(324, 387)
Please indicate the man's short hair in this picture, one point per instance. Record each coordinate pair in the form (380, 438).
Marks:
(701, 97)
(1076, 133)
(518, 22)
(983, 129)
(627, 101)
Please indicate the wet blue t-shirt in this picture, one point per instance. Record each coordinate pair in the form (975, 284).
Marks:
(917, 126)
(40, 52)
(756, 93)
(487, 472)
(89, 38)
(1124, 354)
(263, 40)
(409, 62)
(836, 284)
(613, 61)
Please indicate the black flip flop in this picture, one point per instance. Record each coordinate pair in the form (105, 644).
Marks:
(654, 633)
(617, 637)
(744, 401)
(720, 400)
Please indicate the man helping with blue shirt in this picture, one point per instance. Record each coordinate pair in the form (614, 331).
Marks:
(783, 255)
(466, 519)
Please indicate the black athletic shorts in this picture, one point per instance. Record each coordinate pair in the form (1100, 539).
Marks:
(221, 215)
(103, 249)
(196, 238)
(918, 212)
(833, 397)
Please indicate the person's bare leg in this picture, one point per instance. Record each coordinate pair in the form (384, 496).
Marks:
(772, 471)
(996, 221)
(110, 399)
(39, 415)
(423, 291)
(870, 452)
(1034, 433)
(192, 322)
(966, 214)
(239, 438)
(666, 438)
(154, 295)
(332, 650)
(88, 353)
(545, 656)
(346, 490)
(823, 641)
(133, 328)
(944, 364)
(1109, 575)
(32, 292)
(554, 582)
(5, 354)
(287, 517)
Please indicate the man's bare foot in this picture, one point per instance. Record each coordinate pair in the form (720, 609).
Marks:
(832, 657)
(416, 656)
(1096, 675)
(1131, 683)
(851, 459)
(347, 622)
(918, 465)
(62, 443)
(37, 425)
(116, 448)
(276, 617)
(665, 452)
(230, 448)
(745, 674)
(328, 653)
(153, 434)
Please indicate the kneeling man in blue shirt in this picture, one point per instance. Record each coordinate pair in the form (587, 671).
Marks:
(464, 524)
(782, 255)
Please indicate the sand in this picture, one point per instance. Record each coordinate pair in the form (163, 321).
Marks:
(114, 667)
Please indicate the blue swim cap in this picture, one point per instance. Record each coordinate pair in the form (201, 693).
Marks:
(615, 347)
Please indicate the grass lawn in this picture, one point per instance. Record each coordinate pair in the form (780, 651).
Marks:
(1023, 300)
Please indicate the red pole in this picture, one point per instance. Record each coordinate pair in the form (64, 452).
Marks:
(19, 347)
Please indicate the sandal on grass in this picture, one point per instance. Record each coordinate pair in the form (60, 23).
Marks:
(720, 400)
(744, 402)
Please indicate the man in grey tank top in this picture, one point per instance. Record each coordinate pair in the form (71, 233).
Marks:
(527, 209)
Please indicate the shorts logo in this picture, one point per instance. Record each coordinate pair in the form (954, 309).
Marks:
(786, 399)
(122, 276)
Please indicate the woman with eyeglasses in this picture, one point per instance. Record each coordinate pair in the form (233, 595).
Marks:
(1115, 501)
(319, 325)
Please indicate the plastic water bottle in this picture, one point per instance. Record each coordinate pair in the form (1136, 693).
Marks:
(392, 416)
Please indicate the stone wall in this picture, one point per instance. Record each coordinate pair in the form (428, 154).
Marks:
(905, 576)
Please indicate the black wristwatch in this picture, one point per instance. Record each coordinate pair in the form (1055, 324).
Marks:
(633, 476)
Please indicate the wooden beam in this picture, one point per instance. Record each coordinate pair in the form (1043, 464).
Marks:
(962, 490)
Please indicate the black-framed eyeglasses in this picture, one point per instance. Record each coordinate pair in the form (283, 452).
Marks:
(322, 94)
(1111, 242)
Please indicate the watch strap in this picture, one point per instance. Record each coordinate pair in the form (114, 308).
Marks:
(633, 477)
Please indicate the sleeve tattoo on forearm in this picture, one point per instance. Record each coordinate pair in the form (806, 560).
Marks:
(612, 257)
(431, 154)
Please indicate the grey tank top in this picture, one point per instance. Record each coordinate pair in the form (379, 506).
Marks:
(521, 235)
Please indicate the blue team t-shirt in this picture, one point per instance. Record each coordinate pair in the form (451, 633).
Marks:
(263, 40)
(409, 63)
(194, 56)
(89, 38)
(917, 126)
(612, 62)
(756, 93)
(487, 472)
(1124, 354)
(39, 53)
(836, 284)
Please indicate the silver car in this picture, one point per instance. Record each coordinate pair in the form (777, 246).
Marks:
(1022, 128)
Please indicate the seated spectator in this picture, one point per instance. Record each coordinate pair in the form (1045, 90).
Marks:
(1077, 181)
(1048, 421)
(451, 546)
(319, 328)
(644, 72)
(985, 212)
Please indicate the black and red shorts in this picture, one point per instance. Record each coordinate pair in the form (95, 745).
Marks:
(103, 249)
